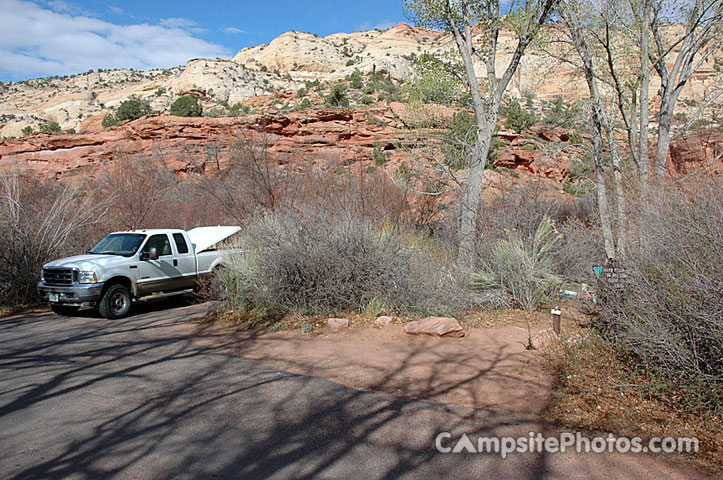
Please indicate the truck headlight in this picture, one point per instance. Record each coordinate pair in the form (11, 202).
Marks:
(87, 277)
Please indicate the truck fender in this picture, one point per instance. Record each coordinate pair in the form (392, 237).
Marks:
(216, 263)
(127, 282)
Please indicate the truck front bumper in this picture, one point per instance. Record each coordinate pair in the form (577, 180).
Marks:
(78, 295)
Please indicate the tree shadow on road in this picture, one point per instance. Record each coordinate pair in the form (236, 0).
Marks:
(142, 398)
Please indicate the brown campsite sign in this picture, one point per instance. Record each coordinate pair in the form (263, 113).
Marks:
(611, 275)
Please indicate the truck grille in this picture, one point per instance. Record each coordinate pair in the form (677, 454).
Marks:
(58, 276)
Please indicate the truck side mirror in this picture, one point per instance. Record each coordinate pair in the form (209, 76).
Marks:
(151, 254)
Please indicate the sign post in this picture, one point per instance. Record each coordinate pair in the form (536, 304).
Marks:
(556, 312)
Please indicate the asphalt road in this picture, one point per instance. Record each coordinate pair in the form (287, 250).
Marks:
(85, 397)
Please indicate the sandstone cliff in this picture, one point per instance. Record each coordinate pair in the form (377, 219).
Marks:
(284, 64)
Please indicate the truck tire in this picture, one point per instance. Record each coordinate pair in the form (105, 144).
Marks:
(65, 310)
(116, 302)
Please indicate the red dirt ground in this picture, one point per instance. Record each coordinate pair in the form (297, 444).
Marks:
(488, 368)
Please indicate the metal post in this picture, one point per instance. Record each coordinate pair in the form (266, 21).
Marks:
(556, 313)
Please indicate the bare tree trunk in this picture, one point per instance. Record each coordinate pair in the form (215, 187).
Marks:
(571, 14)
(666, 119)
(602, 195)
(620, 202)
(643, 156)
(470, 201)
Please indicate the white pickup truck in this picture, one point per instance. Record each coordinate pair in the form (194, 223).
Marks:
(129, 265)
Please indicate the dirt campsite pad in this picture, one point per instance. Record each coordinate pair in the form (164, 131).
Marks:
(488, 368)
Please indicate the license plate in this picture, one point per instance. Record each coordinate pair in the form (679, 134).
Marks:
(53, 297)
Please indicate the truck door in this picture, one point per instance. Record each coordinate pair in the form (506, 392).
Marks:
(185, 260)
(156, 275)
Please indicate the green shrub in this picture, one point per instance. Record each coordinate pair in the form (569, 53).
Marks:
(377, 122)
(580, 188)
(49, 127)
(305, 104)
(109, 121)
(516, 116)
(186, 106)
(436, 80)
(560, 114)
(379, 156)
(132, 109)
(523, 268)
(380, 81)
(27, 130)
(238, 109)
(458, 140)
(337, 97)
(355, 80)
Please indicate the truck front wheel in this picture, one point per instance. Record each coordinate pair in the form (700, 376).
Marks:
(65, 310)
(116, 302)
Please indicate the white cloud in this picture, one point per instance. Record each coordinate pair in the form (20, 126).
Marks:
(115, 9)
(233, 30)
(36, 41)
(385, 25)
(182, 23)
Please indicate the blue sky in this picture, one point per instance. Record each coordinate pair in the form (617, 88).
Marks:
(59, 37)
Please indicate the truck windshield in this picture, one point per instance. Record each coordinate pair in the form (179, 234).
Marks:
(125, 244)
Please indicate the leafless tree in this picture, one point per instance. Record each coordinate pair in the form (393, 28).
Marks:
(577, 29)
(38, 221)
(138, 188)
(464, 19)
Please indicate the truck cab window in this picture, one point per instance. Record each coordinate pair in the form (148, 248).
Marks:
(160, 243)
(181, 244)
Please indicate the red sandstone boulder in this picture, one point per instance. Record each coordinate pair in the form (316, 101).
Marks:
(435, 326)
(543, 338)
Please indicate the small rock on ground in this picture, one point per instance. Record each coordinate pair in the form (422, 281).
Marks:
(383, 321)
(337, 324)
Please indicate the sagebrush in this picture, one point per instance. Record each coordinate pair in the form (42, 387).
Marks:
(318, 261)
